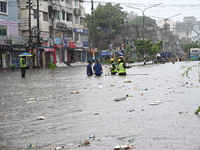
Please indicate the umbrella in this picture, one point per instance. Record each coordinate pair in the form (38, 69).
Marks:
(25, 54)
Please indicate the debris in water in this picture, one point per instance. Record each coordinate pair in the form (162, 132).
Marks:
(120, 99)
(128, 95)
(197, 112)
(40, 118)
(154, 104)
(31, 99)
(74, 92)
(92, 136)
(84, 143)
(58, 148)
(127, 81)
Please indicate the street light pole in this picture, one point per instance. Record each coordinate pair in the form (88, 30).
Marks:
(143, 15)
(165, 19)
(143, 18)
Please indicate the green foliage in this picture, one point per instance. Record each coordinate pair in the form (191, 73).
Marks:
(148, 22)
(143, 46)
(130, 61)
(13, 66)
(187, 70)
(105, 16)
(52, 66)
(197, 111)
(188, 46)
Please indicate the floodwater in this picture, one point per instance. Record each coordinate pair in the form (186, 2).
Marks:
(72, 118)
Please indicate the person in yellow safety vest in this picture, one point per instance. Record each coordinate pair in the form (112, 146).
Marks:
(121, 67)
(23, 66)
(113, 69)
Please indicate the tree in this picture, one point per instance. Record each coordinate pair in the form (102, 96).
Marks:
(147, 23)
(143, 47)
(105, 16)
(188, 46)
(128, 51)
(165, 30)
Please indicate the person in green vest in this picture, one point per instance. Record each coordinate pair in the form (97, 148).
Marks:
(23, 66)
(113, 68)
(121, 67)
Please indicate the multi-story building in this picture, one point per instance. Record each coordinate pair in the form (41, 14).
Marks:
(184, 29)
(11, 41)
(67, 32)
(61, 33)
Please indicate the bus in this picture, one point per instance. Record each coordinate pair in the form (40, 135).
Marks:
(194, 53)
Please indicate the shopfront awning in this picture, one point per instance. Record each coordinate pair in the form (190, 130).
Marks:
(47, 49)
(105, 53)
(120, 53)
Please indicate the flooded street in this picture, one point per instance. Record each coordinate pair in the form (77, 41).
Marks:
(72, 118)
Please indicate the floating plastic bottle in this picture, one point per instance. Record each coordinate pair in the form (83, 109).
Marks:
(92, 136)
(128, 95)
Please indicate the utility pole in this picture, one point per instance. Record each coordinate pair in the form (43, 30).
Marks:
(165, 20)
(93, 53)
(38, 30)
(143, 19)
(29, 23)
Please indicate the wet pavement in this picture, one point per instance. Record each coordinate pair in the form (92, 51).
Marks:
(69, 118)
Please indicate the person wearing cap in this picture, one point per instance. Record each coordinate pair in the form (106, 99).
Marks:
(113, 68)
(121, 67)
(23, 66)
(98, 68)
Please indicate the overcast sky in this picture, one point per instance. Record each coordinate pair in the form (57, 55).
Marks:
(167, 9)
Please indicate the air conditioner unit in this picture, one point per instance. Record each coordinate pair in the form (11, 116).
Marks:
(75, 11)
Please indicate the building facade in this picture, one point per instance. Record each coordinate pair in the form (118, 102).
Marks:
(11, 41)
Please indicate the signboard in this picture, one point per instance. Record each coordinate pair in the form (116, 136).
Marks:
(72, 44)
(85, 44)
(65, 41)
(57, 41)
(79, 44)
(83, 31)
(2, 42)
(48, 49)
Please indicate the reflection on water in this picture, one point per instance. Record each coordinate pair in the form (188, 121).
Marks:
(70, 118)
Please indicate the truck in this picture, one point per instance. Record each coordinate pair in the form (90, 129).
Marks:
(194, 53)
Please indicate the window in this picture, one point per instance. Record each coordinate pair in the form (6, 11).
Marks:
(45, 16)
(35, 14)
(57, 15)
(3, 7)
(76, 20)
(3, 32)
(76, 37)
(63, 15)
(76, 2)
(69, 17)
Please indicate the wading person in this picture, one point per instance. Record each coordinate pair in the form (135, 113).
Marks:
(23, 66)
(121, 67)
(89, 69)
(113, 68)
(98, 68)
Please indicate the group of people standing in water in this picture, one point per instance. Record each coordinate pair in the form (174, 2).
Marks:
(97, 69)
